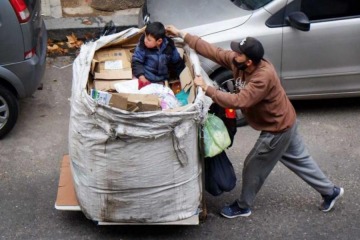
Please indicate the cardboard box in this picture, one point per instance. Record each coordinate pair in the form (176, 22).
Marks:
(139, 102)
(129, 102)
(106, 85)
(112, 63)
(118, 101)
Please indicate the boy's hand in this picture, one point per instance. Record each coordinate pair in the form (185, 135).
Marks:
(143, 82)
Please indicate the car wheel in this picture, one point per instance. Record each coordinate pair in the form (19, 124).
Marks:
(224, 80)
(9, 110)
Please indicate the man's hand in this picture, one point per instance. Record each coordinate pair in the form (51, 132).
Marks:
(199, 81)
(174, 32)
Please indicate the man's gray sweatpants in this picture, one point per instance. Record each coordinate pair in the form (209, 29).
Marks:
(289, 148)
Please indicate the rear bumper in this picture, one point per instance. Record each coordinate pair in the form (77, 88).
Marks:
(27, 75)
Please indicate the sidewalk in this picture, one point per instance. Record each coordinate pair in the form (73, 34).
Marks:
(81, 19)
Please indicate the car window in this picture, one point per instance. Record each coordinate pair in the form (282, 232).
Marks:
(251, 4)
(328, 9)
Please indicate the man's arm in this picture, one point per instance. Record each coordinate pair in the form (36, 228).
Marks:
(254, 91)
(210, 51)
(216, 54)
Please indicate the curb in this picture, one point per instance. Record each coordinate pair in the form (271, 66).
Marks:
(58, 27)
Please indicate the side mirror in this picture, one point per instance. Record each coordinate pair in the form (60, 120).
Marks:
(299, 21)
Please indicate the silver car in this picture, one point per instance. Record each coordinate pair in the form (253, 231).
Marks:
(23, 41)
(314, 45)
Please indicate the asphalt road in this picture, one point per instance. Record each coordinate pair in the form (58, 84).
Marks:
(286, 208)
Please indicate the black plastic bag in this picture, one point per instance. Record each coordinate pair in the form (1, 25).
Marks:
(109, 28)
(219, 174)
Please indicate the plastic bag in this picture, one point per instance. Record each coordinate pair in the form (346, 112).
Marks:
(216, 136)
(129, 86)
(219, 174)
(109, 28)
(182, 97)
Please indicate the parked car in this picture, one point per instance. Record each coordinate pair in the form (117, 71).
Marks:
(314, 45)
(23, 41)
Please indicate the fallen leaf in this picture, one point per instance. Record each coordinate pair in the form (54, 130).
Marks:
(72, 38)
(70, 45)
(79, 43)
(53, 47)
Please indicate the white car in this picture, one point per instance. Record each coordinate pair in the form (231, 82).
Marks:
(314, 45)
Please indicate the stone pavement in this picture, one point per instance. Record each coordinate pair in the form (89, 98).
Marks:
(62, 20)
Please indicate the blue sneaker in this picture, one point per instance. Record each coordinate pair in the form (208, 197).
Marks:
(329, 200)
(234, 211)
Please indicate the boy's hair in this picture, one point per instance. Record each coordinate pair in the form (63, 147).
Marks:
(155, 29)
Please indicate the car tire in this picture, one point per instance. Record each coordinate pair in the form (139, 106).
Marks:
(9, 111)
(222, 79)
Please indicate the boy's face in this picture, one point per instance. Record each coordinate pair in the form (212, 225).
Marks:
(151, 42)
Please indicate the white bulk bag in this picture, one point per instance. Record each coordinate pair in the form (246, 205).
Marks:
(133, 167)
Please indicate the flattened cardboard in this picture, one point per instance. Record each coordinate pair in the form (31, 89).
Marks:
(125, 74)
(118, 101)
(129, 102)
(186, 79)
(140, 102)
(181, 52)
(66, 196)
(131, 38)
(187, 83)
(106, 85)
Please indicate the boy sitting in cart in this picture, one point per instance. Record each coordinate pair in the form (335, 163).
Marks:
(154, 55)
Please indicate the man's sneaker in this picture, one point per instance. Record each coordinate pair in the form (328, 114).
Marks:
(329, 200)
(234, 211)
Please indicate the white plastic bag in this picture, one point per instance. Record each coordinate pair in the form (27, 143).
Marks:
(129, 86)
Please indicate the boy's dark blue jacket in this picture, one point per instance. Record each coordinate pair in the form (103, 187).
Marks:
(154, 63)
